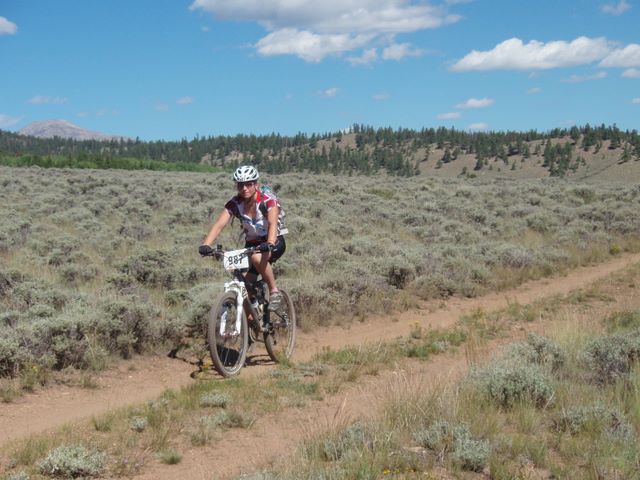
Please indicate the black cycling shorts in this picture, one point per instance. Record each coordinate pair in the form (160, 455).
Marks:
(278, 249)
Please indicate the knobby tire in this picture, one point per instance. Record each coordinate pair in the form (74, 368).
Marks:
(280, 339)
(228, 352)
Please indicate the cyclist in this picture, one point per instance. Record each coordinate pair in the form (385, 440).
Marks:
(262, 223)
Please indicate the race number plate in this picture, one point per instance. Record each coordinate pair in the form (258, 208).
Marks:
(236, 260)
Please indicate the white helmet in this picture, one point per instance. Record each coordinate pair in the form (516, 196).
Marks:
(245, 173)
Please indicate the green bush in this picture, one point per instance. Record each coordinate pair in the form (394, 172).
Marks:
(215, 399)
(125, 325)
(64, 337)
(73, 461)
(457, 442)
(611, 358)
(578, 419)
(149, 267)
(353, 438)
(138, 424)
(539, 350)
(508, 382)
(625, 320)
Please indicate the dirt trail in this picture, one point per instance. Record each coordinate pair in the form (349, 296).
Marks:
(146, 378)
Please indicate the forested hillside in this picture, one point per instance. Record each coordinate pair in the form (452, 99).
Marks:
(362, 149)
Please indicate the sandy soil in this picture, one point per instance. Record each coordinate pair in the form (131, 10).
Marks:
(274, 436)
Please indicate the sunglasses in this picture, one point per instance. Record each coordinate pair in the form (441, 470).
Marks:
(241, 185)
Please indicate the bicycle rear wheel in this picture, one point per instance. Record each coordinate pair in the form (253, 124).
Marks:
(280, 337)
(228, 347)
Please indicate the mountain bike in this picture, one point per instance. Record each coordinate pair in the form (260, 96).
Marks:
(241, 317)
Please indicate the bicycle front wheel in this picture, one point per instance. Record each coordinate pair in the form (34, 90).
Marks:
(280, 337)
(227, 346)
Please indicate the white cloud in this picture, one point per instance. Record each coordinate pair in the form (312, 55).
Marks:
(45, 100)
(478, 126)
(631, 73)
(626, 57)
(8, 121)
(332, 16)
(476, 103)
(314, 30)
(616, 8)
(379, 97)
(449, 116)
(329, 92)
(368, 56)
(636, 101)
(7, 27)
(585, 78)
(398, 51)
(513, 54)
(161, 107)
(534, 91)
(185, 101)
(309, 46)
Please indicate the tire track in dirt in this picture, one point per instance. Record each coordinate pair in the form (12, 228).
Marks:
(146, 377)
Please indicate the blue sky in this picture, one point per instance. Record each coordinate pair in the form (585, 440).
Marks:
(173, 69)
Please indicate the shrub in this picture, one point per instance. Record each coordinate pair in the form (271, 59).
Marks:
(73, 272)
(509, 382)
(515, 256)
(196, 316)
(136, 231)
(611, 358)
(625, 320)
(539, 350)
(7, 280)
(73, 461)
(17, 476)
(353, 438)
(124, 325)
(28, 293)
(455, 440)
(214, 399)
(63, 337)
(610, 421)
(233, 419)
(170, 457)
(8, 355)
(204, 430)
(149, 267)
(14, 230)
(471, 454)
(138, 424)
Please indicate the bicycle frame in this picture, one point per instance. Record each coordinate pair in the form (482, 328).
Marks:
(239, 286)
(240, 290)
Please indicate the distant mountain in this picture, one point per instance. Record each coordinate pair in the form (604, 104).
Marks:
(64, 129)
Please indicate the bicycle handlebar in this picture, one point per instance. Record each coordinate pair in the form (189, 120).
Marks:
(219, 251)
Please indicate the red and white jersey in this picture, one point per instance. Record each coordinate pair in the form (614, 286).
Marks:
(256, 229)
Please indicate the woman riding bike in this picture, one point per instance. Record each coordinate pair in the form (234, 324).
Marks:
(262, 223)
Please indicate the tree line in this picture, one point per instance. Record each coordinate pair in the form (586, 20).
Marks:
(394, 151)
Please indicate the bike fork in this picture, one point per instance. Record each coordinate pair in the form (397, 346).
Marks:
(238, 319)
